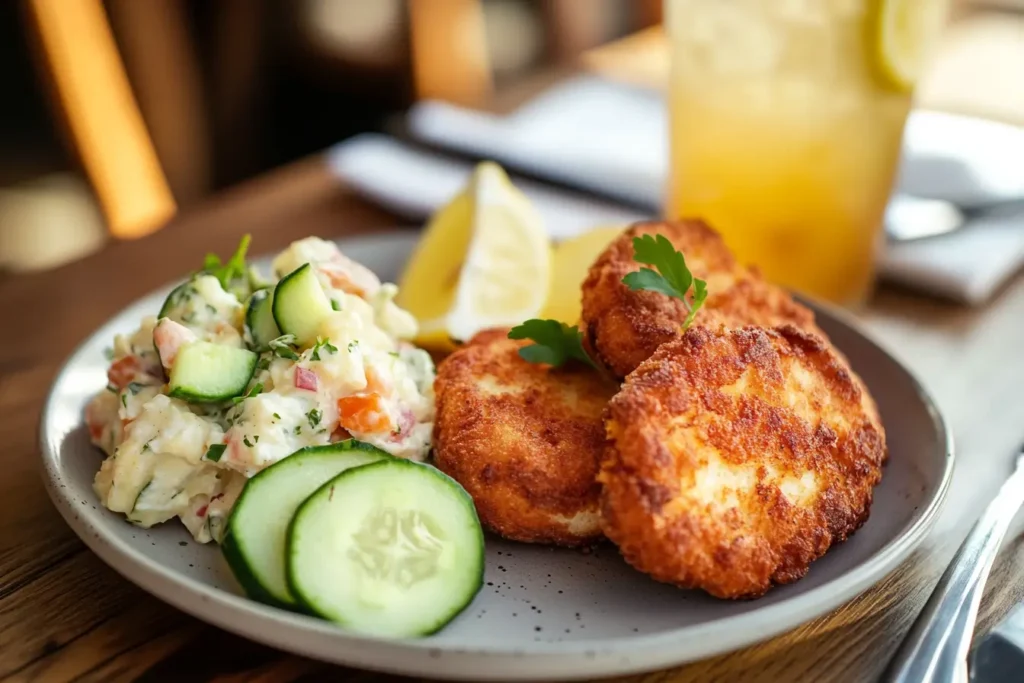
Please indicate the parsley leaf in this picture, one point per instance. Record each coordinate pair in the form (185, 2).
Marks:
(324, 344)
(255, 391)
(282, 347)
(214, 452)
(647, 279)
(314, 416)
(233, 275)
(555, 343)
(671, 277)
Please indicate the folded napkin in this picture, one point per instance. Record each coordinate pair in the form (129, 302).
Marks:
(611, 138)
(414, 184)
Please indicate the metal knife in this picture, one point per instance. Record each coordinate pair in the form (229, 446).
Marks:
(937, 643)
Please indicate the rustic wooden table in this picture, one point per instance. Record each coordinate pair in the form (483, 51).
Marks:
(65, 615)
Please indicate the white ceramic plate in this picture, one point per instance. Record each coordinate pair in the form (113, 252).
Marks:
(544, 612)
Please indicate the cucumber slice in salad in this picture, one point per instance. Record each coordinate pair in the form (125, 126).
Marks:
(255, 539)
(204, 372)
(392, 549)
(300, 305)
(259, 319)
(177, 297)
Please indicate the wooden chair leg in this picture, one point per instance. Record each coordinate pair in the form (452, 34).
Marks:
(449, 51)
(163, 66)
(98, 106)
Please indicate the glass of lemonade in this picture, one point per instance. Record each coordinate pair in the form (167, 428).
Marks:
(786, 118)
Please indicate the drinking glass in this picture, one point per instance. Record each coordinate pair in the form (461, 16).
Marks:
(786, 119)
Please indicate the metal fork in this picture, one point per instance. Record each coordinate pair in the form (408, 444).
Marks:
(937, 644)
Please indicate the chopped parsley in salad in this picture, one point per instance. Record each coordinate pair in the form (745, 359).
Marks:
(237, 372)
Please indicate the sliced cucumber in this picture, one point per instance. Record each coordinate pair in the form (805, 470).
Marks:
(168, 338)
(300, 305)
(205, 373)
(393, 549)
(178, 296)
(259, 319)
(255, 539)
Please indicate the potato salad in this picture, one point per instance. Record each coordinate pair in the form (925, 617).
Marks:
(237, 372)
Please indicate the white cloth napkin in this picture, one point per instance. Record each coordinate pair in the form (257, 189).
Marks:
(414, 184)
(612, 138)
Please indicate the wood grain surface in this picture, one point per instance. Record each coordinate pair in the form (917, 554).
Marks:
(65, 616)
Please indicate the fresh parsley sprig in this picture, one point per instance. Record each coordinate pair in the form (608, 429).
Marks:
(325, 345)
(555, 343)
(282, 346)
(234, 275)
(671, 278)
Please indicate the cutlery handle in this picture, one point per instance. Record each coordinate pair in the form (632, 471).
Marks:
(947, 620)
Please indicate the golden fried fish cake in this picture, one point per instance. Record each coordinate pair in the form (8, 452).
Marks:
(624, 327)
(523, 439)
(737, 457)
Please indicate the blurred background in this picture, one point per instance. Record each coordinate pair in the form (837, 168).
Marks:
(227, 89)
(150, 106)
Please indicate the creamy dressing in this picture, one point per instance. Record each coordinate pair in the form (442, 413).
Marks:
(168, 458)
(138, 344)
(203, 306)
(348, 284)
(157, 468)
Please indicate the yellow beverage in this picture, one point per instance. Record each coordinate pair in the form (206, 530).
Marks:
(785, 134)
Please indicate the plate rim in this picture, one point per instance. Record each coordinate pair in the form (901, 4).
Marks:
(567, 659)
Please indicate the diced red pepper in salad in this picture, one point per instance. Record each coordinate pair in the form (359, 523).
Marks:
(305, 379)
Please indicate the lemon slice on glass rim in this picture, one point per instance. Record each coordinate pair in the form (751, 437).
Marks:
(901, 34)
(484, 261)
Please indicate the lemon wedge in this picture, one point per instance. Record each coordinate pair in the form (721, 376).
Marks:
(900, 35)
(570, 263)
(483, 261)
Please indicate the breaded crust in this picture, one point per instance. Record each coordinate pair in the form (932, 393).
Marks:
(737, 457)
(523, 439)
(624, 327)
